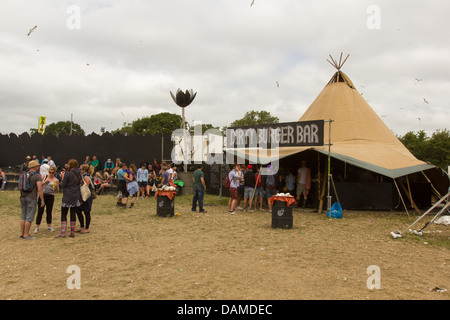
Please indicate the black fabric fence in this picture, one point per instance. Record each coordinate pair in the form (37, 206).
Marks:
(131, 149)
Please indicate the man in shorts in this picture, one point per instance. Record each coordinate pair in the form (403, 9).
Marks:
(235, 177)
(28, 200)
(249, 187)
(122, 186)
(303, 183)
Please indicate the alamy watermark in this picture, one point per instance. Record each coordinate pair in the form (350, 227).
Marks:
(374, 279)
(74, 280)
(374, 19)
(74, 19)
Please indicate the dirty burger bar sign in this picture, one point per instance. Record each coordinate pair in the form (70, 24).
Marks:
(288, 134)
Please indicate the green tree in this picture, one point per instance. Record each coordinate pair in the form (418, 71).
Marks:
(164, 122)
(252, 118)
(435, 150)
(64, 127)
(204, 127)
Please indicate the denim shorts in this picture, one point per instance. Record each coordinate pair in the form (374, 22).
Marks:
(270, 192)
(259, 192)
(248, 192)
(28, 207)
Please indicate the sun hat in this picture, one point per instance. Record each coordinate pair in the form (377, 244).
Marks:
(33, 164)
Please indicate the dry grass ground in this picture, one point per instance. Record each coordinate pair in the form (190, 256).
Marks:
(133, 254)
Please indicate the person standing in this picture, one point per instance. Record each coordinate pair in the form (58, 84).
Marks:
(259, 191)
(86, 206)
(28, 200)
(234, 176)
(44, 168)
(249, 188)
(270, 185)
(121, 184)
(303, 183)
(71, 199)
(2, 180)
(50, 185)
(132, 185)
(142, 180)
(199, 189)
(290, 182)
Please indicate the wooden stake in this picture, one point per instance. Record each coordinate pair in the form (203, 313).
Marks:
(408, 193)
(400, 194)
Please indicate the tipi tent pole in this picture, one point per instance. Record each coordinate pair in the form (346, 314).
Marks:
(329, 165)
(408, 193)
(428, 211)
(434, 189)
(400, 194)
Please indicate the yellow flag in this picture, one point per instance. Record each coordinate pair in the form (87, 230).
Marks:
(41, 127)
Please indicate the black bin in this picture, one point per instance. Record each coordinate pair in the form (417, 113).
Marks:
(164, 206)
(282, 215)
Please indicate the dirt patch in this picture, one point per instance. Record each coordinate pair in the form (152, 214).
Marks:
(133, 254)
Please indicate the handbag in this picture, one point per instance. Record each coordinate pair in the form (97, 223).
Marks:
(84, 189)
(85, 192)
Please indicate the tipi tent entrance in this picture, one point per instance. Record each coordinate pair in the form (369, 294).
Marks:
(357, 188)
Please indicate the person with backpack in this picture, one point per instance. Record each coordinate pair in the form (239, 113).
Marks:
(30, 185)
(270, 185)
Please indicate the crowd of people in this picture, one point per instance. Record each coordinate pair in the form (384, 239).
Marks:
(254, 188)
(45, 181)
(247, 186)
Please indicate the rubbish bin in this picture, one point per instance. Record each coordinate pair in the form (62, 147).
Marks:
(282, 215)
(165, 204)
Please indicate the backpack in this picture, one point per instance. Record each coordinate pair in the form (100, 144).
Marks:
(24, 181)
(227, 182)
(270, 181)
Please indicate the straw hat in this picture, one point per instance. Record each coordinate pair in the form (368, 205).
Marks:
(33, 164)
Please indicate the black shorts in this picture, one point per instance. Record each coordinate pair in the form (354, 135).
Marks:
(142, 184)
(122, 187)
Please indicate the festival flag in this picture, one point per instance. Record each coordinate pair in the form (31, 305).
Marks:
(41, 127)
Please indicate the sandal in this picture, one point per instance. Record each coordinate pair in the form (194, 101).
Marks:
(84, 231)
(61, 235)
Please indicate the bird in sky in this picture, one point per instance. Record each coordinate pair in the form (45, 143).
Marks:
(253, 2)
(31, 30)
(278, 85)
(425, 100)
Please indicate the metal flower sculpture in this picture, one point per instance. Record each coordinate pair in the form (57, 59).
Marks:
(183, 99)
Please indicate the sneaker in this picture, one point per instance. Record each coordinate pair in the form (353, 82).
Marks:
(204, 211)
(29, 238)
(250, 210)
(36, 230)
(50, 229)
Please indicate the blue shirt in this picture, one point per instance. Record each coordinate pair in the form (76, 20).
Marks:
(142, 175)
(120, 174)
(166, 177)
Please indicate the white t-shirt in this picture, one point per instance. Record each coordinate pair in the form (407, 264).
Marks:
(43, 170)
(302, 172)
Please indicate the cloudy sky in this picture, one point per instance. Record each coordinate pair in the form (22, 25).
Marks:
(113, 61)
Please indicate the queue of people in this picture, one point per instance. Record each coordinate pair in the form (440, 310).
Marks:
(254, 188)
